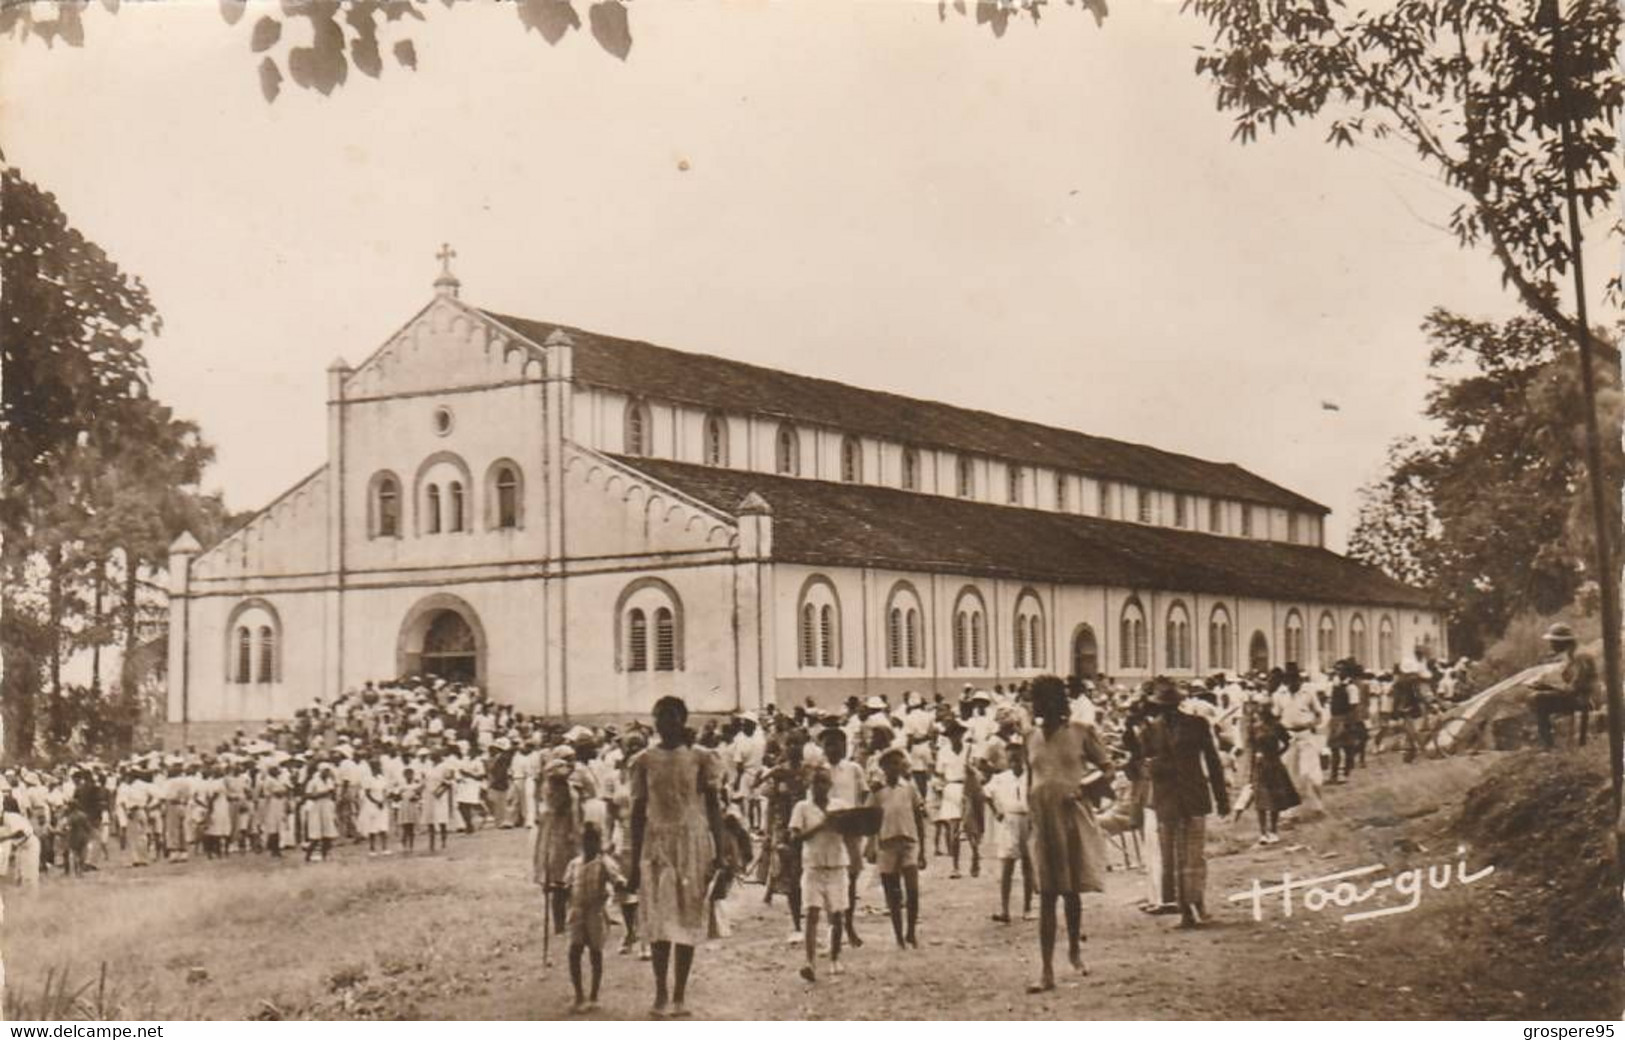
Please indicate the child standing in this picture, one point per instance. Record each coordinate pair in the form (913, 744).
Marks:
(589, 879)
(409, 799)
(1007, 799)
(901, 844)
(823, 869)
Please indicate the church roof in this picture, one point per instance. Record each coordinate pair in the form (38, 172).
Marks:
(828, 524)
(705, 381)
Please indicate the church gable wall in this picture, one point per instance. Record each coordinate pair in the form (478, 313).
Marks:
(288, 537)
(446, 346)
(434, 441)
(613, 511)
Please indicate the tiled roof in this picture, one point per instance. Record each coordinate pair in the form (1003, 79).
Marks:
(705, 381)
(828, 524)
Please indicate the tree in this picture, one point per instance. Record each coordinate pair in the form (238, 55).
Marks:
(98, 476)
(1475, 89)
(358, 33)
(1486, 513)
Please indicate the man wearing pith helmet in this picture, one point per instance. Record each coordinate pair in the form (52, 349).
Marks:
(1573, 690)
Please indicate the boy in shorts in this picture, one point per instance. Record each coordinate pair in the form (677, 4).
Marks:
(823, 869)
(901, 844)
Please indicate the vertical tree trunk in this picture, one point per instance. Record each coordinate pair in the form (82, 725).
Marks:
(96, 619)
(55, 714)
(129, 715)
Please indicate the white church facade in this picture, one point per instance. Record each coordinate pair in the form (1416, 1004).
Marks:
(582, 524)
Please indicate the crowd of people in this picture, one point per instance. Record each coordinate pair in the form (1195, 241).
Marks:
(662, 821)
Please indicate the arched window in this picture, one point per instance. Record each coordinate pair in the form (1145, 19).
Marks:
(1134, 651)
(809, 635)
(253, 643)
(456, 506)
(386, 505)
(851, 460)
(1027, 646)
(503, 494)
(787, 452)
(1063, 501)
(1017, 480)
(970, 631)
(1220, 651)
(905, 642)
(1357, 643)
(439, 490)
(665, 641)
(245, 655)
(820, 624)
(1387, 645)
(649, 628)
(433, 526)
(965, 472)
(1294, 638)
(1326, 642)
(639, 429)
(637, 641)
(716, 440)
(1178, 644)
(1215, 516)
(267, 655)
(911, 470)
(826, 636)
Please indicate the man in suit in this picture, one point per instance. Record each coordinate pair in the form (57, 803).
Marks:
(1187, 783)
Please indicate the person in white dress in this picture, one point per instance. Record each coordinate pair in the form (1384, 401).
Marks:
(1007, 800)
(372, 817)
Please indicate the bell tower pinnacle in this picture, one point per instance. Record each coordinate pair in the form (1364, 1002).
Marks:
(447, 284)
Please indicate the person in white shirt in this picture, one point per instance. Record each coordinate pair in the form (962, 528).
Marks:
(17, 831)
(824, 865)
(1006, 794)
(1300, 712)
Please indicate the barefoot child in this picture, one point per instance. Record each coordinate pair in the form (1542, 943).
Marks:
(589, 879)
(901, 853)
(1007, 800)
(823, 869)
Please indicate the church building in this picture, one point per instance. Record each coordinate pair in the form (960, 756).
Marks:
(582, 524)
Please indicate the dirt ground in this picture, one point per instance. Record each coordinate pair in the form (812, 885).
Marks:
(459, 935)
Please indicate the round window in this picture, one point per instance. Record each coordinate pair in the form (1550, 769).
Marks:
(442, 420)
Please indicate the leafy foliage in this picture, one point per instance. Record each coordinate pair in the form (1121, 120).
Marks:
(352, 34)
(1478, 88)
(98, 476)
(1491, 513)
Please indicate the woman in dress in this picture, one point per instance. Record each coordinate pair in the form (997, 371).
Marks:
(273, 809)
(677, 832)
(1068, 851)
(321, 814)
(1273, 792)
(558, 836)
(786, 784)
(373, 818)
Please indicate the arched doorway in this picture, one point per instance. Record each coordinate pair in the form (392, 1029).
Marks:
(442, 637)
(1258, 653)
(1085, 653)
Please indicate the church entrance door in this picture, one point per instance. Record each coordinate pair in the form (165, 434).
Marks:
(449, 650)
(441, 637)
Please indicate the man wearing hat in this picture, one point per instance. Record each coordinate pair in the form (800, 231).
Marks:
(1574, 689)
(1187, 783)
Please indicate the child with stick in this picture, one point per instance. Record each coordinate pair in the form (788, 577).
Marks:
(589, 880)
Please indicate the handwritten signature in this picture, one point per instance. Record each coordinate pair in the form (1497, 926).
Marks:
(1343, 891)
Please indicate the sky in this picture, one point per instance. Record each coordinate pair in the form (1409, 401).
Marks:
(1054, 225)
